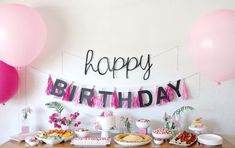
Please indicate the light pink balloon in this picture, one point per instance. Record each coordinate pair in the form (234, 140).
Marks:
(212, 45)
(22, 34)
(9, 80)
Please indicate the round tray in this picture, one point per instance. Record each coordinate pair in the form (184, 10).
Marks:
(210, 139)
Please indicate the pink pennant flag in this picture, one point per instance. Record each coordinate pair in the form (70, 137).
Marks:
(49, 85)
(170, 93)
(99, 102)
(67, 92)
(184, 91)
(76, 97)
(135, 102)
(93, 98)
(114, 100)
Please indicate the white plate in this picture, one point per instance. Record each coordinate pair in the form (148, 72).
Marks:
(21, 137)
(210, 139)
(132, 143)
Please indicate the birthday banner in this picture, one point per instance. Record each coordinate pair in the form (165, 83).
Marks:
(101, 99)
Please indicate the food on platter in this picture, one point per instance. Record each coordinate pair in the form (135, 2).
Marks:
(132, 139)
(82, 132)
(95, 141)
(161, 133)
(143, 123)
(197, 123)
(32, 141)
(210, 139)
(107, 120)
(184, 139)
(55, 136)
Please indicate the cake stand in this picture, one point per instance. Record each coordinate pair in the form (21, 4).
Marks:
(197, 130)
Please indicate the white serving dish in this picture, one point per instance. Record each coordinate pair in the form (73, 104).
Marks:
(127, 144)
(210, 139)
(158, 142)
(142, 124)
(32, 141)
(82, 134)
(52, 141)
(196, 129)
(91, 141)
(161, 136)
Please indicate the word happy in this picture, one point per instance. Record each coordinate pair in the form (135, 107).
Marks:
(127, 64)
(145, 97)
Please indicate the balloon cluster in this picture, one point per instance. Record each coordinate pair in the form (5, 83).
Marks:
(22, 37)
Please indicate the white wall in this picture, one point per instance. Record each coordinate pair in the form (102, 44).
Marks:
(120, 28)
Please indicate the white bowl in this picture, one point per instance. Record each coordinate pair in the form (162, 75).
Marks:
(161, 136)
(82, 134)
(52, 141)
(142, 124)
(31, 140)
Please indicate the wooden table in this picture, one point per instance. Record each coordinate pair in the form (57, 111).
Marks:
(12, 144)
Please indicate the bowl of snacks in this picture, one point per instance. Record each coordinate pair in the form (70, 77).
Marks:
(50, 139)
(143, 123)
(65, 134)
(161, 133)
(82, 132)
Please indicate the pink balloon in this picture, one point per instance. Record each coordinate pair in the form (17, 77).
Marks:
(22, 34)
(8, 82)
(212, 45)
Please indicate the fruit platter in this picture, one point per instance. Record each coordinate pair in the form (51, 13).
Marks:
(184, 139)
(55, 136)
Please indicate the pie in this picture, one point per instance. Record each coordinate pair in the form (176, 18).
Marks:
(132, 138)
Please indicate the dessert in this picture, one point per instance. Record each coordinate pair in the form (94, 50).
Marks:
(132, 138)
(107, 120)
(197, 123)
(91, 141)
(161, 133)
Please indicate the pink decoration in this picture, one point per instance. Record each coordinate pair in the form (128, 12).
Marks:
(49, 85)
(135, 102)
(22, 34)
(163, 101)
(93, 98)
(76, 97)
(170, 93)
(184, 91)
(143, 131)
(114, 100)
(9, 80)
(99, 102)
(212, 45)
(66, 96)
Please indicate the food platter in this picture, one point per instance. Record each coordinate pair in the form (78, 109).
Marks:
(184, 139)
(132, 139)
